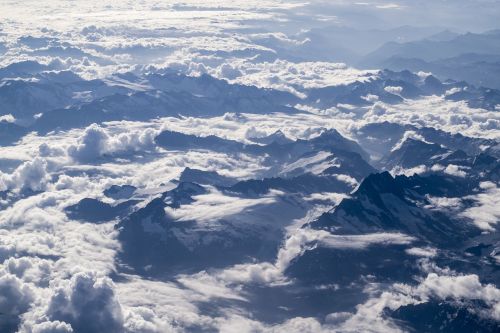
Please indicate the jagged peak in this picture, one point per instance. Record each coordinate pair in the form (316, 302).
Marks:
(278, 137)
(378, 183)
(413, 145)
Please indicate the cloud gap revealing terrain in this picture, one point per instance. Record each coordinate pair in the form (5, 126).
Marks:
(249, 166)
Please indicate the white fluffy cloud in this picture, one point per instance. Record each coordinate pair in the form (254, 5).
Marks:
(460, 287)
(408, 135)
(455, 170)
(369, 317)
(95, 143)
(52, 327)
(284, 75)
(31, 175)
(394, 90)
(214, 206)
(88, 304)
(363, 241)
(15, 299)
(426, 252)
(486, 212)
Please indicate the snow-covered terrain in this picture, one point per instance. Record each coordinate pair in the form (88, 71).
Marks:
(249, 166)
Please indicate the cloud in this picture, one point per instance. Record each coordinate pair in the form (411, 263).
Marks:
(316, 164)
(490, 124)
(91, 145)
(253, 133)
(260, 273)
(29, 269)
(9, 118)
(88, 304)
(486, 212)
(214, 205)
(15, 299)
(304, 238)
(44, 150)
(370, 316)
(95, 143)
(436, 112)
(347, 179)
(52, 327)
(299, 324)
(334, 198)
(422, 252)
(238, 323)
(453, 91)
(458, 287)
(144, 320)
(444, 203)
(197, 37)
(286, 76)
(460, 120)
(394, 90)
(377, 109)
(37, 226)
(31, 175)
(168, 303)
(359, 242)
(208, 286)
(228, 72)
(398, 170)
(455, 170)
(408, 135)
(371, 98)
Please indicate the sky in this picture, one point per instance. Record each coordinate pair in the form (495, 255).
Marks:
(461, 15)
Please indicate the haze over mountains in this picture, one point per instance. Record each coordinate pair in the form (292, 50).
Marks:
(253, 166)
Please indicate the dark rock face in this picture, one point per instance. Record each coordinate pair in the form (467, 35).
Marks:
(350, 266)
(182, 194)
(10, 133)
(384, 204)
(120, 192)
(380, 138)
(92, 210)
(304, 184)
(436, 316)
(413, 153)
(277, 137)
(205, 177)
(147, 240)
